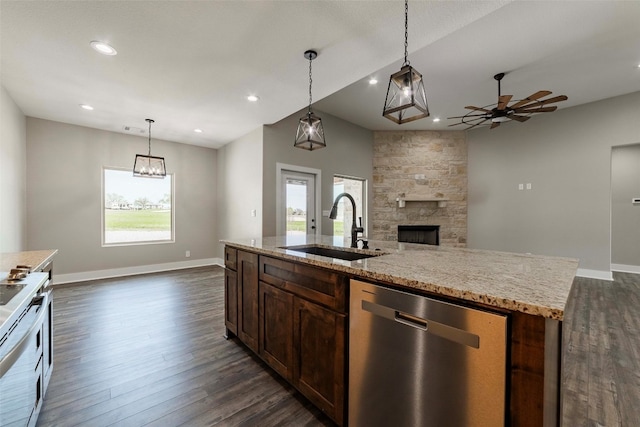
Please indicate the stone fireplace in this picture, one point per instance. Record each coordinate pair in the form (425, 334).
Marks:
(420, 177)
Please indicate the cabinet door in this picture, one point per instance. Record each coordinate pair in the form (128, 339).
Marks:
(276, 335)
(248, 299)
(231, 301)
(319, 356)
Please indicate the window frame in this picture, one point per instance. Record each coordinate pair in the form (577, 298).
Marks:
(364, 213)
(172, 239)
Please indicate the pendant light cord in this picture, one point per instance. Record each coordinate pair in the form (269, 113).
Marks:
(406, 33)
(310, 82)
(149, 121)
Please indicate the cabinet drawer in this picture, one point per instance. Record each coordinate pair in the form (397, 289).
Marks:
(231, 258)
(321, 286)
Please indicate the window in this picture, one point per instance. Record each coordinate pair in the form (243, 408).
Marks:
(136, 210)
(357, 188)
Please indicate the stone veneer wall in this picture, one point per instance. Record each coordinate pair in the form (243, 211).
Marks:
(420, 164)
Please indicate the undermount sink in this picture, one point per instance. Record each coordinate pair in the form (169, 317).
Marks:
(347, 255)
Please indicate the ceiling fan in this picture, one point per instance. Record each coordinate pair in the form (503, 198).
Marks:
(520, 111)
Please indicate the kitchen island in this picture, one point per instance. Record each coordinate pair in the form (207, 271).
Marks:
(531, 290)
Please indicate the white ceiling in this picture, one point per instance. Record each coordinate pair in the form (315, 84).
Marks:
(191, 64)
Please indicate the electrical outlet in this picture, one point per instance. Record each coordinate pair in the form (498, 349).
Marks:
(253, 212)
(528, 186)
(520, 186)
(187, 254)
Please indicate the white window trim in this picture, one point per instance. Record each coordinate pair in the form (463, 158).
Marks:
(147, 242)
(365, 196)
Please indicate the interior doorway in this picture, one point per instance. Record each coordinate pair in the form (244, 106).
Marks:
(625, 208)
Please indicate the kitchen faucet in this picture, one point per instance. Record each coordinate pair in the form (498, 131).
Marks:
(354, 229)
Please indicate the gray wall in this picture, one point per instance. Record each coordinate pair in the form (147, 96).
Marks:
(625, 217)
(349, 151)
(566, 156)
(13, 164)
(240, 187)
(64, 164)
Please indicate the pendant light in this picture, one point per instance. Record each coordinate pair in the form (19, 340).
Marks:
(149, 166)
(310, 134)
(406, 99)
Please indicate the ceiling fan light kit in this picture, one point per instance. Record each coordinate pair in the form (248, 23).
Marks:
(501, 112)
(310, 133)
(406, 98)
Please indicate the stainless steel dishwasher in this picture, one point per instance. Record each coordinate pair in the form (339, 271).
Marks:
(417, 361)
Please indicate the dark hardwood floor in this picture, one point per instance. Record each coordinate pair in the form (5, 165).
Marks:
(601, 357)
(149, 350)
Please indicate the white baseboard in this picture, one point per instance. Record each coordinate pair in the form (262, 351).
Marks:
(595, 274)
(59, 279)
(626, 268)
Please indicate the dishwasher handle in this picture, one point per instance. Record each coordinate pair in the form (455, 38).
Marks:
(409, 320)
(426, 325)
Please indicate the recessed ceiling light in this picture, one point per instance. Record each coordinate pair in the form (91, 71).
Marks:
(252, 98)
(103, 48)
(197, 130)
(86, 107)
(436, 119)
(373, 81)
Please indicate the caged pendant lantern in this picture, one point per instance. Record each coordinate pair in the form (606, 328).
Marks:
(310, 134)
(149, 166)
(406, 99)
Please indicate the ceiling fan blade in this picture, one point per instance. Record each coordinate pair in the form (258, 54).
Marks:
(519, 118)
(468, 115)
(554, 99)
(530, 98)
(475, 124)
(471, 107)
(537, 104)
(503, 101)
(533, 109)
(495, 125)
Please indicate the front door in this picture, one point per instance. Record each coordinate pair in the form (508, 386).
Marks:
(298, 203)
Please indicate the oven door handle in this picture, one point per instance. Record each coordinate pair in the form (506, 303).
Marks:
(14, 354)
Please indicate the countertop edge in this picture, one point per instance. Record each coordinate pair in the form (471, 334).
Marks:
(553, 313)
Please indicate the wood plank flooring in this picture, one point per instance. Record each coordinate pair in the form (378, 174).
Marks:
(601, 353)
(149, 350)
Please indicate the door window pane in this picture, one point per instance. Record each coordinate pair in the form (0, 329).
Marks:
(296, 221)
(136, 210)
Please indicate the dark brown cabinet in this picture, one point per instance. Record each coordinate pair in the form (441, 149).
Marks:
(231, 301)
(248, 326)
(294, 317)
(276, 334)
(230, 291)
(319, 362)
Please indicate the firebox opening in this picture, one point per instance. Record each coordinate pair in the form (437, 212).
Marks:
(423, 234)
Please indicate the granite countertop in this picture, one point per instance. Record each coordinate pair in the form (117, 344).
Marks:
(36, 259)
(533, 284)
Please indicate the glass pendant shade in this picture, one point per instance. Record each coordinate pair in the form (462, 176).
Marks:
(406, 99)
(148, 166)
(310, 134)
